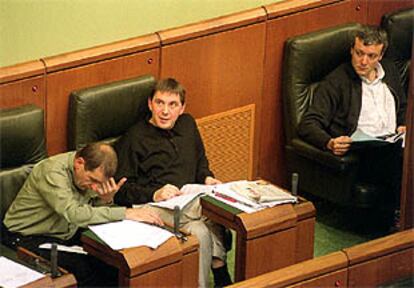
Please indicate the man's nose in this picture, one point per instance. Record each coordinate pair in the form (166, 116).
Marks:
(364, 59)
(165, 109)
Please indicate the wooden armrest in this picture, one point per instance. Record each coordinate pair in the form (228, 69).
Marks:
(64, 280)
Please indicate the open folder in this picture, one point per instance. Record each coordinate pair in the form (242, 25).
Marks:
(361, 139)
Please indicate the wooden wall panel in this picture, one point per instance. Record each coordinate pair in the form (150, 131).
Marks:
(22, 84)
(61, 83)
(377, 8)
(272, 160)
(21, 92)
(220, 71)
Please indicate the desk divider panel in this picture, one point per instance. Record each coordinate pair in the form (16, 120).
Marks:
(228, 139)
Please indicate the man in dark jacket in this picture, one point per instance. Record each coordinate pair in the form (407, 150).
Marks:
(366, 95)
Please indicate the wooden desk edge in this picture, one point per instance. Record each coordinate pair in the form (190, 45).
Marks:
(137, 260)
(298, 272)
(380, 247)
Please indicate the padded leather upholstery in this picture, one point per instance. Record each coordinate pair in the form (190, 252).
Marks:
(307, 60)
(399, 26)
(105, 112)
(22, 145)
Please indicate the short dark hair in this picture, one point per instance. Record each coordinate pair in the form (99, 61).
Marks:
(99, 155)
(372, 35)
(169, 85)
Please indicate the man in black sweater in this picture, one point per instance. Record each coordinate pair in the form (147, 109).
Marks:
(365, 94)
(158, 156)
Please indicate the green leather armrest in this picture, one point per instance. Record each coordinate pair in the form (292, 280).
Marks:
(324, 157)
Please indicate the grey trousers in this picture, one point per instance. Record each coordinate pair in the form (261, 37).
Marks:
(209, 235)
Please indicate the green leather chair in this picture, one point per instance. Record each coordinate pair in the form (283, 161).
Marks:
(307, 60)
(399, 26)
(105, 112)
(22, 145)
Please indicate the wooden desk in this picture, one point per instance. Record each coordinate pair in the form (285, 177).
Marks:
(173, 264)
(268, 239)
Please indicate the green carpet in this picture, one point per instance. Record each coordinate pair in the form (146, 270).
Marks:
(338, 227)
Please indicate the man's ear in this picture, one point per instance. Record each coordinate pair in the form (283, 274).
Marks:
(182, 109)
(79, 161)
(149, 104)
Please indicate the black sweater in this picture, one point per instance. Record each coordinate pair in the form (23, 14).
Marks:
(151, 157)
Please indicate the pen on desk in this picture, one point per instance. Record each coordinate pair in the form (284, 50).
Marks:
(231, 199)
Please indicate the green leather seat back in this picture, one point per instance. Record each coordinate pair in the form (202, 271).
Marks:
(307, 60)
(22, 145)
(399, 26)
(105, 112)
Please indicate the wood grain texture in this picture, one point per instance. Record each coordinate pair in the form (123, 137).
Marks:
(210, 26)
(377, 8)
(24, 91)
(320, 267)
(21, 71)
(102, 52)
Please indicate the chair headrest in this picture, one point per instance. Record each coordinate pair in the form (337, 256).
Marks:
(307, 60)
(399, 26)
(107, 111)
(22, 136)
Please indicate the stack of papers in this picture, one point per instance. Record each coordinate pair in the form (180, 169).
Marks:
(13, 274)
(230, 193)
(128, 234)
(236, 194)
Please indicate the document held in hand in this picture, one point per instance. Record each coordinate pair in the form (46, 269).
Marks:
(190, 192)
(359, 138)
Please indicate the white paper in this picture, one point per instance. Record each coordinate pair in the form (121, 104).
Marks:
(71, 249)
(13, 274)
(128, 233)
(190, 192)
(360, 136)
(226, 190)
